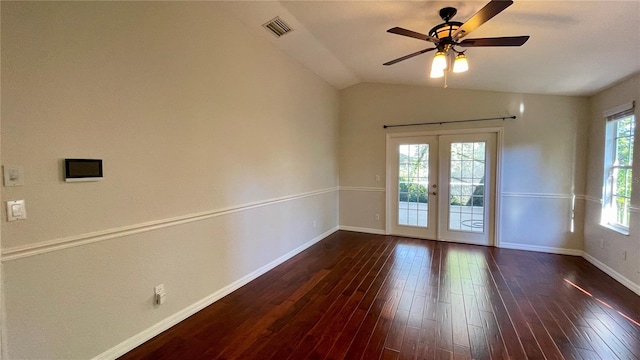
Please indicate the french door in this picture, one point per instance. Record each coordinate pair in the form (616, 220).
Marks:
(442, 187)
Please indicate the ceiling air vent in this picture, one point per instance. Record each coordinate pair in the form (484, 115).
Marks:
(277, 27)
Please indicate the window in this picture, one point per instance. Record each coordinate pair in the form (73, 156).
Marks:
(618, 177)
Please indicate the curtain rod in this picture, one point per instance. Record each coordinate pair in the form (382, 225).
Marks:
(451, 122)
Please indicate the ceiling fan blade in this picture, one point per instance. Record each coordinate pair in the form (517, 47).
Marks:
(496, 41)
(493, 8)
(413, 34)
(408, 56)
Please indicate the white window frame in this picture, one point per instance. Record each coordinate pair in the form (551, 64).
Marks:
(611, 167)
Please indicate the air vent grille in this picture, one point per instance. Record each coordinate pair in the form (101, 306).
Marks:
(277, 27)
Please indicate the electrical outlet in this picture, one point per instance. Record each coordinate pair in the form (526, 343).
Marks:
(159, 289)
(377, 217)
(378, 178)
(314, 223)
(160, 295)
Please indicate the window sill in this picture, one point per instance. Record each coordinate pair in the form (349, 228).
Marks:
(618, 229)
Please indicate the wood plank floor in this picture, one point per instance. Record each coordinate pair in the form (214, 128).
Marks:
(361, 296)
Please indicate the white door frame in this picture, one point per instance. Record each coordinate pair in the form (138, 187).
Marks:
(428, 231)
(498, 180)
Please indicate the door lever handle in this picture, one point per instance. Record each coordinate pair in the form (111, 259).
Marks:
(434, 193)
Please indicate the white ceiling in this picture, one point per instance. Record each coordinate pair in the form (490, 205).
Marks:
(576, 47)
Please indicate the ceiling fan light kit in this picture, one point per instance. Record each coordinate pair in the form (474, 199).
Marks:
(448, 35)
(440, 64)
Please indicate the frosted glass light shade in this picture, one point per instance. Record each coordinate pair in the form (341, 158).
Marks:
(460, 64)
(439, 61)
(435, 73)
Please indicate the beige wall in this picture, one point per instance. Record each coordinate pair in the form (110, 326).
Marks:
(543, 161)
(615, 244)
(220, 158)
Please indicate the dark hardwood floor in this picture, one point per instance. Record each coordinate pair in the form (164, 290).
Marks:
(361, 296)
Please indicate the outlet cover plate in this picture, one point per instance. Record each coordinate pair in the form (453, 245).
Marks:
(16, 210)
(159, 289)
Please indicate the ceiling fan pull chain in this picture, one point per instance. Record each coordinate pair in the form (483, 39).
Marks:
(446, 71)
(445, 78)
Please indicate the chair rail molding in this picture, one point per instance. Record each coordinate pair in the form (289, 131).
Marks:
(43, 247)
(362, 188)
(538, 195)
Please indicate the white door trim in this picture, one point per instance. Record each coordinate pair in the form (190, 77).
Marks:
(429, 231)
(499, 131)
(487, 236)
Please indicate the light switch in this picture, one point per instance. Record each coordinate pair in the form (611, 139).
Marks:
(13, 175)
(16, 210)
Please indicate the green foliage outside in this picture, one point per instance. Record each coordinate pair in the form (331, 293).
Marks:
(465, 167)
(414, 167)
(625, 129)
(412, 192)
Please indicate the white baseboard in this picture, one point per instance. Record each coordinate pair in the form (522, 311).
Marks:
(544, 249)
(363, 230)
(573, 252)
(174, 319)
(614, 274)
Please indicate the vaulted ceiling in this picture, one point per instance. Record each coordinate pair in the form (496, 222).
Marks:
(576, 47)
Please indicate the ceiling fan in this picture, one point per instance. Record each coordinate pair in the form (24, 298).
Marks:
(448, 35)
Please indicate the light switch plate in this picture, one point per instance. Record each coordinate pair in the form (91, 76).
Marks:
(16, 210)
(13, 175)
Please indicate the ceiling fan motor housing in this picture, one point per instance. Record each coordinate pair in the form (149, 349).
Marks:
(444, 31)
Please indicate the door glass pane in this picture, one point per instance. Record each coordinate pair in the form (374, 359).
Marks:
(413, 183)
(466, 186)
